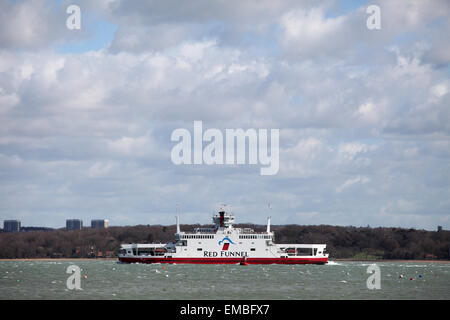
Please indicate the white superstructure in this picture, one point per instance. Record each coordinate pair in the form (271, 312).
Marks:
(224, 244)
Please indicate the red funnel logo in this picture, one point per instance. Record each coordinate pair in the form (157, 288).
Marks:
(225, 244)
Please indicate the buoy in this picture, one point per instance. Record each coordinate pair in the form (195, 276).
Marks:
(164, 268)
(85, 277)
(400, 276)
(411, 278)
(420, 276)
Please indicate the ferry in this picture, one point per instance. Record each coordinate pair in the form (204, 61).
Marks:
(224, 244)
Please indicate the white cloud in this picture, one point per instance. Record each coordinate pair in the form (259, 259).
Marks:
(7, 101)
(309, 29)
(355, 108)
(100, 169)
(131, 146)
(348, 183)
(351, 150)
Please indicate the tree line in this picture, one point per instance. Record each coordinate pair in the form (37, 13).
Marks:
(342, 242)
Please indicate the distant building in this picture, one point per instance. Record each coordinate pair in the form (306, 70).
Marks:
(11, 225)
(99, 224)
(439, 229)
(74, 224)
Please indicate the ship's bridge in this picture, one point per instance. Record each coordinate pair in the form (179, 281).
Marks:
(223, 219)
(223, 224)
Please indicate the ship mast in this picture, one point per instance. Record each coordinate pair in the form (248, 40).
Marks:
(268, 219)
(178, 220)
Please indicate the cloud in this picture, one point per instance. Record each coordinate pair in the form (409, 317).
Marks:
(100, 169)
(351, 182)
(363, 116)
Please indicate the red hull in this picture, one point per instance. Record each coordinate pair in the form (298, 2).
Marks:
(226, 260)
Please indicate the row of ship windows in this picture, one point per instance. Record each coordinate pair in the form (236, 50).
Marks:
(255, 236)
(194, 236)
(206, 236)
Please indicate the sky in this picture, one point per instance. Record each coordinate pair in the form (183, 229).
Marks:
(86, 115)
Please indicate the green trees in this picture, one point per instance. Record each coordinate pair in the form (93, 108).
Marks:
(342, 242)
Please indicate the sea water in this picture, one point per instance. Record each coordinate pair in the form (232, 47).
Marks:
(108, 279)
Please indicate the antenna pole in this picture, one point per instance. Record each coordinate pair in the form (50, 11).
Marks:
(178, 220)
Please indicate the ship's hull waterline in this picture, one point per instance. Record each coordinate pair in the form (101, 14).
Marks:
(319, 261)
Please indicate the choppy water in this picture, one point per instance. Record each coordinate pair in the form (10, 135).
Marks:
(111, 280)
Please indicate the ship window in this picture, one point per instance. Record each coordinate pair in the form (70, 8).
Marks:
(252, 249)
(199, 249)
(304, 251)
